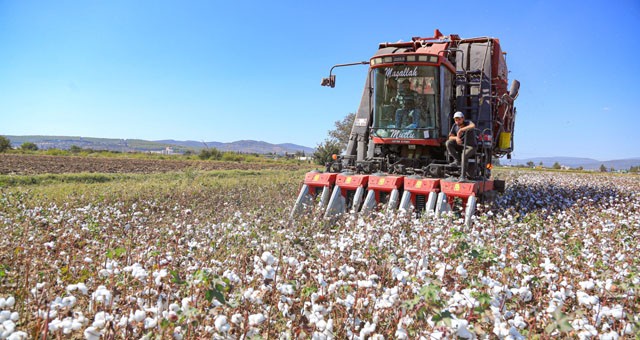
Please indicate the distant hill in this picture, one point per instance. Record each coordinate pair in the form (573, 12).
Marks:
(248, 146)
(139, 145)
(575, 162)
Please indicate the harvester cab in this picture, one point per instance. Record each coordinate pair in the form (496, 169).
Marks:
(396, 155)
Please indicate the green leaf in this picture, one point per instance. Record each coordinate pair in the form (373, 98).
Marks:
(164, 323)
(214, 293)
(175, 277)
(117, 252)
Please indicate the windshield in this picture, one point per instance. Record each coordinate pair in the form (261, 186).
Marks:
(405, 101)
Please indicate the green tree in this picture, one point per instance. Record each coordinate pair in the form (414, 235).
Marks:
(603, 168)
(531, 164)
(5, 144)
(343, 130)
(557, 166)
(325, 150)
(29, 146)
(75, 149)
(211, 153)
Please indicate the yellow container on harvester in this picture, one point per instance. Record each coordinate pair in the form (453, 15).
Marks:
(505, 140)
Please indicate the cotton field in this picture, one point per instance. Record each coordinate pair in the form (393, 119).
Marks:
(555, 256)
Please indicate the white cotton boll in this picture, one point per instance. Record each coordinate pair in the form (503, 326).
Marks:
(75, 325)
(159, 275)
(87, 260)
(513, 332)
(441, 271)
(365, 284)
(318, 309)
(587, 285)
(284, 308)
(137, 271)
(66, 323)
(367, 329)
(82, 287)
(69, 301)
(43, 314)
(617, 312)
(286, 289)
(500, 329)
(232, 276)
(139, 316)
(237, 319)
(321, 281)
(461, 271)
(613, 335)
(628, 329)
(401, 334)
(321, 325)
(99, 320)
(268, 273)
(518, 322)
(14, 316)
(3, 302)
(102, 294)
(586, 299)
(256, 319)
(174, 307)
(91, 333)
(268, 258)
(464, 333)
(9, 302)
(292, 261)
(5, 315)
(221, 324)
(186, 302)
(9, 326)
(150, 323)
(20, 335)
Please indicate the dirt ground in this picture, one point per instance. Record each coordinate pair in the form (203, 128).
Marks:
(42, 164)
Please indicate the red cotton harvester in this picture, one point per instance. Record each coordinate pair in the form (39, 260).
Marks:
(396, 156)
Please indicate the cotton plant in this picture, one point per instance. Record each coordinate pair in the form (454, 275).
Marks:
(9, 320)
(564, 251)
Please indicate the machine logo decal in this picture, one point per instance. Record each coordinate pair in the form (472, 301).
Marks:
(406, 72)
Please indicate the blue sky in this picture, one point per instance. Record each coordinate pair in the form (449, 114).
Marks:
(232, 70)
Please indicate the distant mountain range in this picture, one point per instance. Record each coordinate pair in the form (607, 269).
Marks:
(260, 147)
(139, 145)
(575, 162)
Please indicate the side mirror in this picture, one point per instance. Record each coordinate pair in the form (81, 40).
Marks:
(331, 81)
(515, 88)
